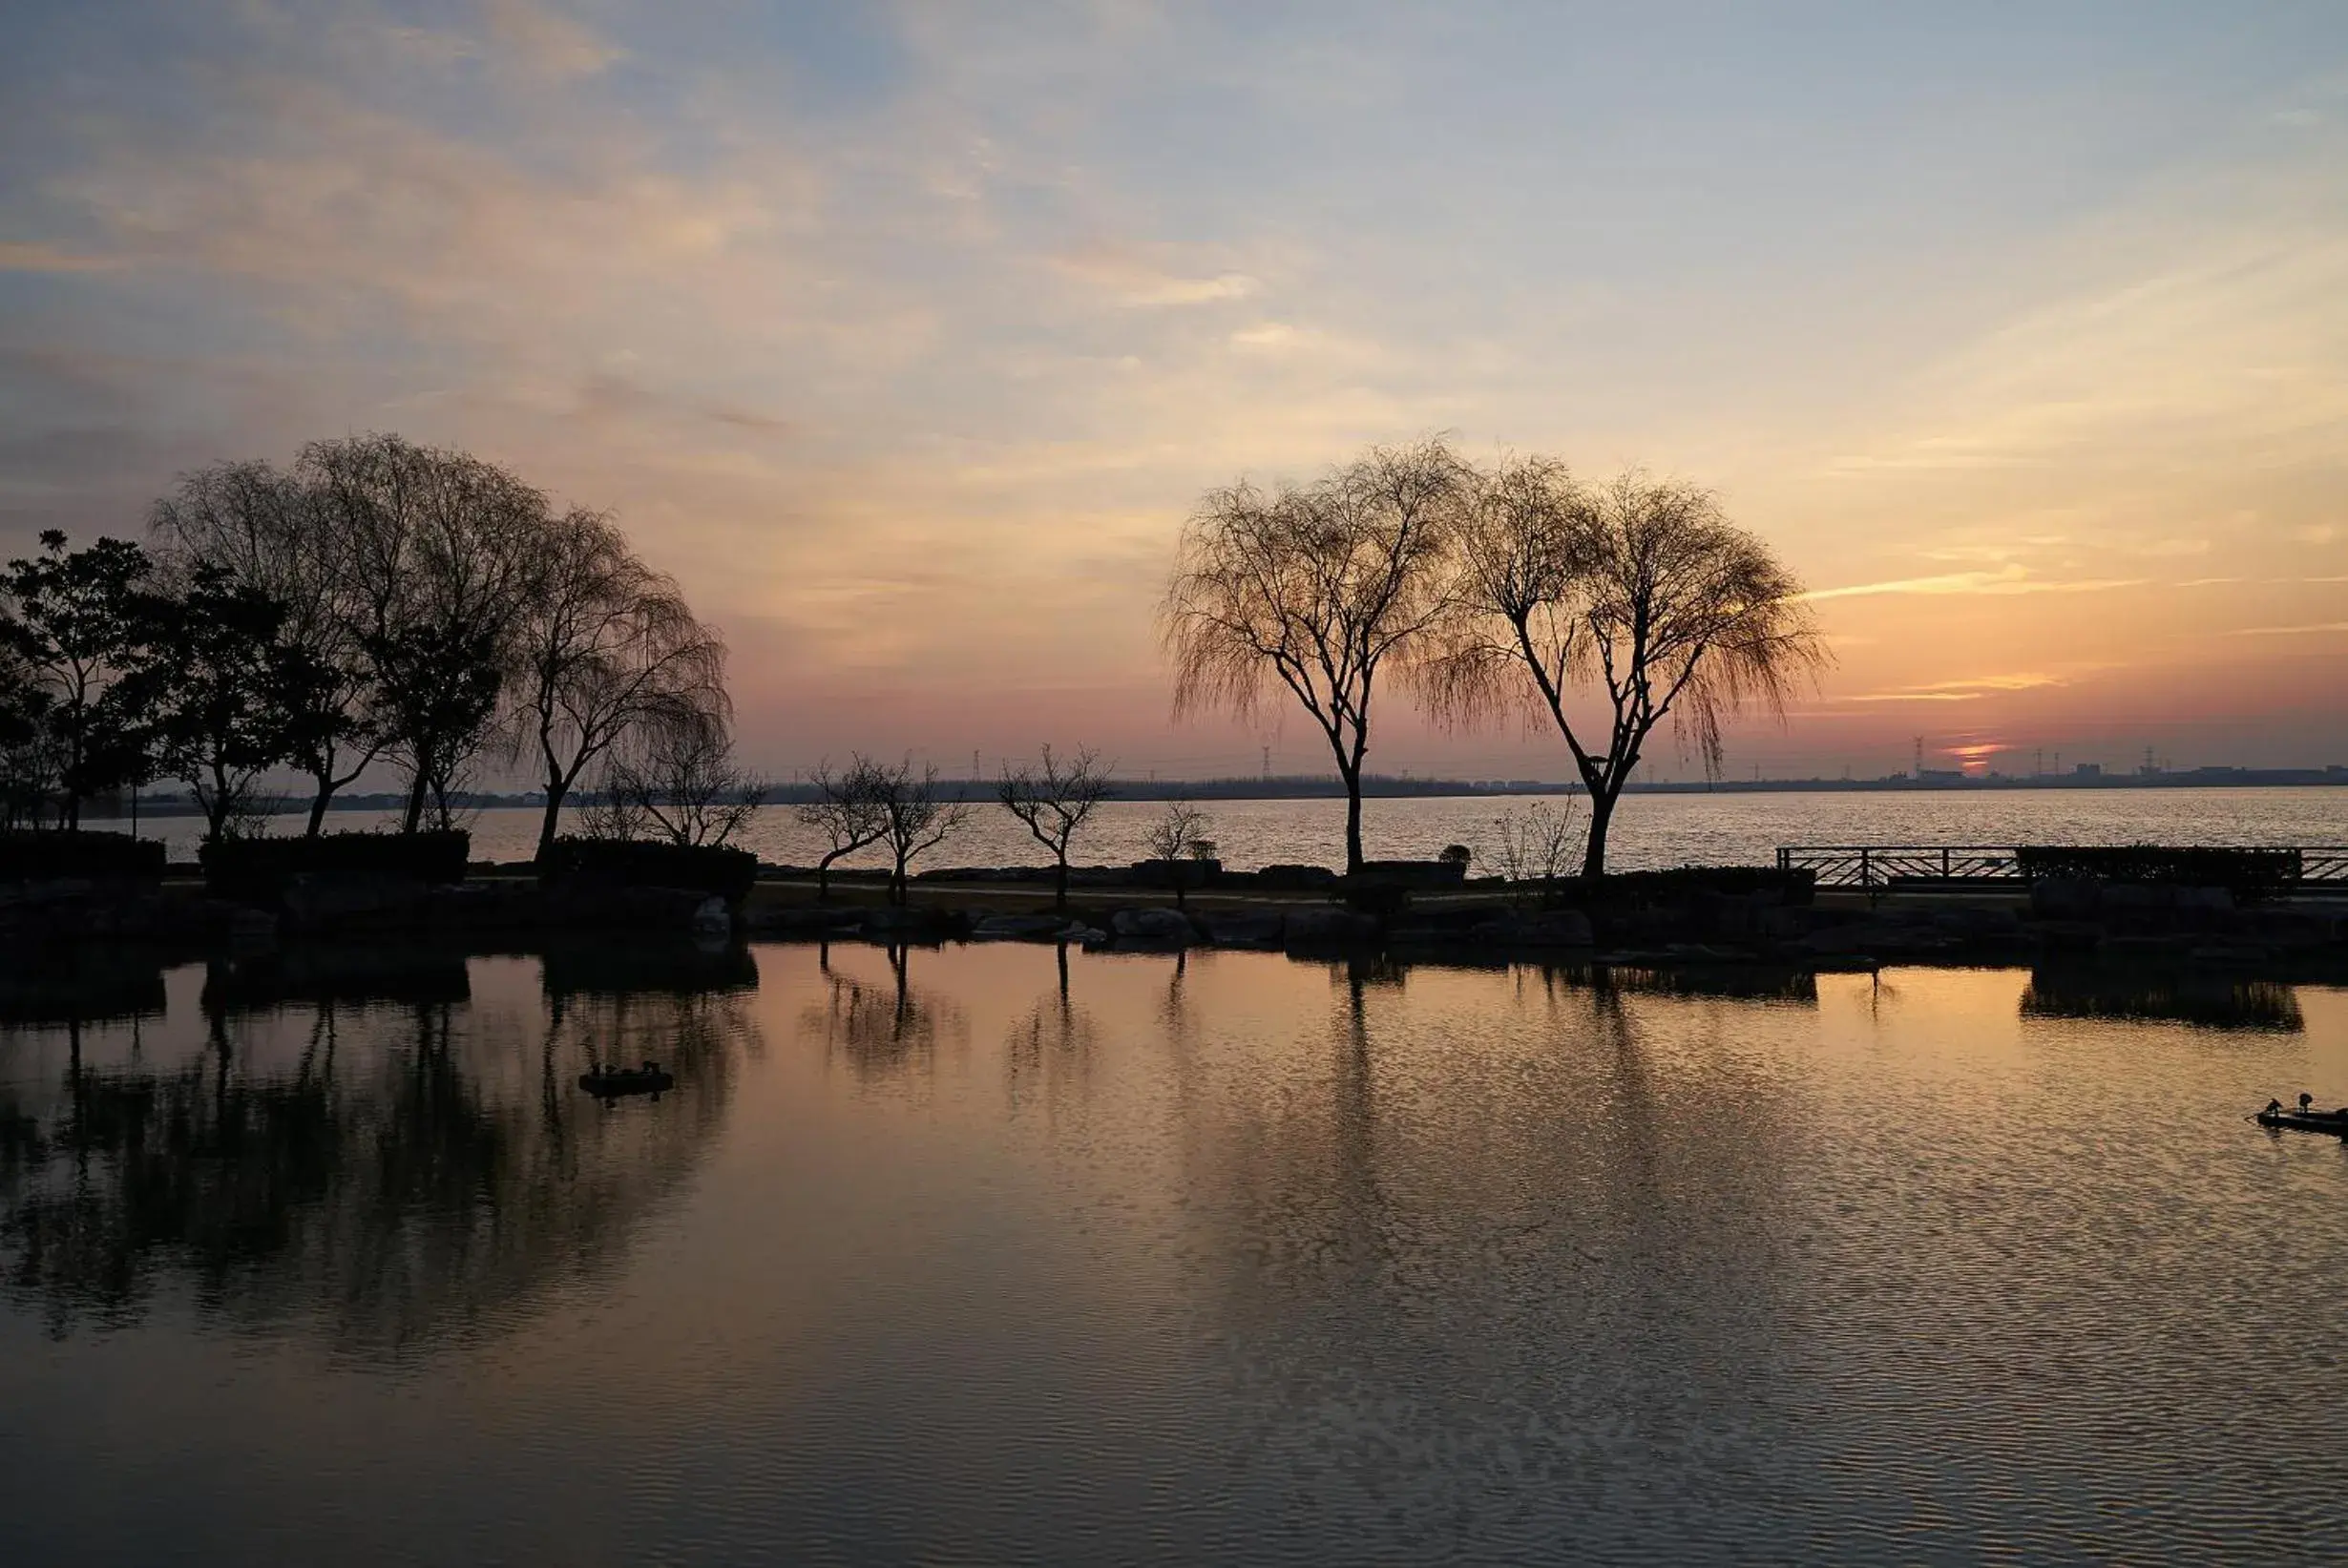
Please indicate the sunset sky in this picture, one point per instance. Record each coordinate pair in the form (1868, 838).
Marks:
(906, 336)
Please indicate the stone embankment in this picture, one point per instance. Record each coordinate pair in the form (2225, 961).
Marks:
(74, 911)
(2202, 926)
(1728, 916)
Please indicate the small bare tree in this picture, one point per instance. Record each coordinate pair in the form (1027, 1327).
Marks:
(1178, 835)
(1318, 588)
(850, 809)
(612, 815)
(918, 820)
(684, 783)
(1054, 801)
(1641, 585)
(1535, 847)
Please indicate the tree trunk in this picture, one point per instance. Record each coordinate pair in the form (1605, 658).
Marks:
(215, 810)
(1602, 814)
(555, 793)
(1060, 897)
(415, 805)
(1352, 820)
(318, 803)
(822, 878)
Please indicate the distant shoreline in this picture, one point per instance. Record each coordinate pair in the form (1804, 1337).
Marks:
(1400, 788)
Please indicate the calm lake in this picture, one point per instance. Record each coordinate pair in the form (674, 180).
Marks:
(1649, 830)
(995, 1254)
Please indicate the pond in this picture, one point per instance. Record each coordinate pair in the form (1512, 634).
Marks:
(1001, 1253)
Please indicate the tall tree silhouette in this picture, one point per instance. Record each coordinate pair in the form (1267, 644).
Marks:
(224, 685)
(1316, 590)
(268, 531)
(607, 648)
(440, 547)
(73, 623)
(1640, 587)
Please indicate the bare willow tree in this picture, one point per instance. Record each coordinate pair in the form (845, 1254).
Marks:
(605, 648)
(850, 809)
(439, 550)
(1054, 801)
(1638, 585)
(266, 531)
(917, 820)
(1318, 589)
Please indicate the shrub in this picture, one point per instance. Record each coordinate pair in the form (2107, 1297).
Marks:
(619, 863)
(2247, 873)
(239, 867)
(49, 856)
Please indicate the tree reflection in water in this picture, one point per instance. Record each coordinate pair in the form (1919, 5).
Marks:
(887, 1032)
(1473, 1187)
(1048, 1054)
(414, 1171)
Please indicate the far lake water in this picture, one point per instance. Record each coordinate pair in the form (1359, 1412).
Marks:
(1000, 1254)
(1649, 830)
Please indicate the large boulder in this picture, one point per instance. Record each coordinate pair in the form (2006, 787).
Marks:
(1170, 927)
(912, 924)
(1543, 929)
(591, 906)
(1324, 927)
(321, 901)
(2062, 898)
(1247, 929)
(800, 919)
(1021, 927)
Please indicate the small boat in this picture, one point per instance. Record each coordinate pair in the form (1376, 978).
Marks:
(2305, 1120)
(612, 1082)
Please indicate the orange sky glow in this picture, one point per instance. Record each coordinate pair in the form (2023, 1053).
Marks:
(906, 336)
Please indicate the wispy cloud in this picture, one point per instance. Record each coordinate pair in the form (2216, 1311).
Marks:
(31, 255)
(1969, 690)
(2315, 629)
(1129, 280)
(549, 43)
(2013, 580)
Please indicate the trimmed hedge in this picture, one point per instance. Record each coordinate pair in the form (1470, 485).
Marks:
(1174, 873)
(240, 866)
(2247, 873)
(1281, 877)
(700, 869)
(51, 856)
